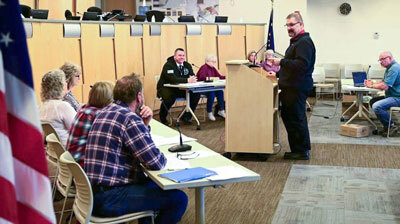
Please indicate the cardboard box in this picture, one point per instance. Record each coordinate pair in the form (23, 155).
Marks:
(354, 130)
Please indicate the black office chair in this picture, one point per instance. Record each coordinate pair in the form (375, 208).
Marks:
(25, 11)
(186, 19)
(159, 16)
(69, 16)
(90, 16)
(95, 9)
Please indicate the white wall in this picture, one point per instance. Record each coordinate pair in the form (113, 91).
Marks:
(350, 39)
(258, 11)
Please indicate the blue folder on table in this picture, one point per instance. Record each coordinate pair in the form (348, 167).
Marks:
(188, 174)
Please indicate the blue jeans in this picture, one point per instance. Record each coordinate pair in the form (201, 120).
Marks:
(170, 204)
(380, 108)
(220, 99)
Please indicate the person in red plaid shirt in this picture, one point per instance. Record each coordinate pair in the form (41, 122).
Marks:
(119, 143)
(100, 95)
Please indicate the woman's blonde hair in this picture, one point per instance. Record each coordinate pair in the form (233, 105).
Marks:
(101, 94)
(251, 52)
(70, 71)
(52, 86)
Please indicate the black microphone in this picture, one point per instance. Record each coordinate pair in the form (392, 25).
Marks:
(181, 147)
(195, 65)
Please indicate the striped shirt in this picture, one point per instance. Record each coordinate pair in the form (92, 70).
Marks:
(70, 98)
(118, 143)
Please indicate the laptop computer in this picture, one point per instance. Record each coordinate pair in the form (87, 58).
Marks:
(359, 78)
(40, 13)
(221, 19)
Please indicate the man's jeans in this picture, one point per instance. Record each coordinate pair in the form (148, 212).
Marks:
(382, 106)
(170, 204)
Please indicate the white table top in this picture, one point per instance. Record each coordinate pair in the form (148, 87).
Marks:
(213, 161)
(197, 84)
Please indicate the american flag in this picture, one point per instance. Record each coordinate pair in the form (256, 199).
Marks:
(270, 41)
(25, 192)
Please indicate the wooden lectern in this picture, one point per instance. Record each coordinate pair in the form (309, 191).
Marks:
(252, 120)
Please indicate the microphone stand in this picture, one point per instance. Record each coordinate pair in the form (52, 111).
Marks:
(181, 147)
(255, 57)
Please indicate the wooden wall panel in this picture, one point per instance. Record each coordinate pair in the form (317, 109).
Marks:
(199, 46)
(128, 51)
(152, 64)
(97, 56)
(30, 3)
(56, 8)
(255, 40)
(172, 37)
(82, 6)
(128, 5)
(44, 50)
(231, 47)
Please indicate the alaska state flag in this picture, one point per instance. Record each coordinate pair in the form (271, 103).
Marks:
(270, 41)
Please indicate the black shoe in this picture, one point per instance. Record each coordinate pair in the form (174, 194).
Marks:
(297, 155)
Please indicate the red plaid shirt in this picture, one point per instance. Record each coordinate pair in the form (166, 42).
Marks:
(79, 132)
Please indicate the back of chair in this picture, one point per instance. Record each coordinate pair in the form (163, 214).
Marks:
(318, 75)
(332, 70)
(52, 148)
(48, 129)
(350, 68)
(64, 174)
(376, 71)
(83, 204)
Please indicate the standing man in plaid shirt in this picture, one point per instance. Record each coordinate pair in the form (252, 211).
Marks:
(119, 142)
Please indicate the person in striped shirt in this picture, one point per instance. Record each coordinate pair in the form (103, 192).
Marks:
(119, 143)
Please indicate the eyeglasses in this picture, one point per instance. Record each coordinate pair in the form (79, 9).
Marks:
(381, 59)
(187, 156)
(291, 24)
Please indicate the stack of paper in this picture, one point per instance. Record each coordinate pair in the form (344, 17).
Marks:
(160, 140)
(228, 172)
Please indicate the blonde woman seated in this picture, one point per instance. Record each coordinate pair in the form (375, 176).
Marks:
(53, 109)
(100, 95)
(208, 70)
(251, 56)
(267, 64)
(72, 77)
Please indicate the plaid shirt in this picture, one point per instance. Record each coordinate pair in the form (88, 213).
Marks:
(79, 131)
(118, 143)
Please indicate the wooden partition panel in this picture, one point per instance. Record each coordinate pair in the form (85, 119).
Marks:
(56, 8)
(231, 47)
(172, 37)
(30, 3)
(128, 51)
(152, 64)
(255, 40)
(128, 6)
(199, 46)
(97, 56)
(82, 5)
(44, 50)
